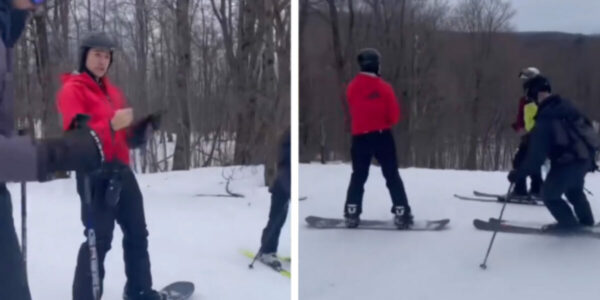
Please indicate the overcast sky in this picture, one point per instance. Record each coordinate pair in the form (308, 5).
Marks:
(575, 16)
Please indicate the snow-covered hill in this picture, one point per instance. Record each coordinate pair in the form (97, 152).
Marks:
(191, 238)
(364, 264)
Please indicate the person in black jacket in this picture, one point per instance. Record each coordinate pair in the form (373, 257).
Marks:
(280, 201)
(553, 137)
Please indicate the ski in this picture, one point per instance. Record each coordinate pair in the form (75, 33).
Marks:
(337, 223)
(251, 254)
(277, 269)
(532, 228)
(497, 200)
(514, 198)
(482, 194)
(179, 290)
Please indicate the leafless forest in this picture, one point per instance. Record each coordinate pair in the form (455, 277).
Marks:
(220, 69)
(455, 68)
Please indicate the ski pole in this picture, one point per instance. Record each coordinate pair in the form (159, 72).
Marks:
(251, 265)
(91, 239)
(588, 192)
(23, 132)
(508, 195)
(24, 223)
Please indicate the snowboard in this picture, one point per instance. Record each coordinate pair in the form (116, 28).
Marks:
(279, 270)
(179, 290)
(532, 228)
(498, 199)
(337, 223)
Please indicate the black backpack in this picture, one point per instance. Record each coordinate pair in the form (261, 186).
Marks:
(585, 138)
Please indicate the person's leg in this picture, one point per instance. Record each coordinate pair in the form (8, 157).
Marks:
(13, 278)
(131, 218)
(536, 183)
(361, 161)
(277, 216)
(385, 153)
(103, 225)
(556, 185)
(521, 184)
(577, 197)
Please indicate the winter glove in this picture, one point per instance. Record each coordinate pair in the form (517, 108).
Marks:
(513, 176)
(142, 129)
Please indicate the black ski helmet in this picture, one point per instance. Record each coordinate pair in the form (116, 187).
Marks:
(535, 85)
(99, 40)
(368, 60)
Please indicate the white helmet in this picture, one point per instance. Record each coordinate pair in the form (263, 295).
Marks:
(529, 73)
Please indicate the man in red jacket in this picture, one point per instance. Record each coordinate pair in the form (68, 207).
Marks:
(374, 109)
(115, 194)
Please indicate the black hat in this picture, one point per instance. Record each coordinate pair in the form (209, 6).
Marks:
(368, 60)
(95, 40)
(535, 85)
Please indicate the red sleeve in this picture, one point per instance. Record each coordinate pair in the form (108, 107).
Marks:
(520, 121)
(70, 103)
(394, 109)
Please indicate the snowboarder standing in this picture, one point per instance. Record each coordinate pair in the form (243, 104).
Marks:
(115, 194)
(523, 125)
(555, 137)
(280, 201)
(374, 109)
(22, 159)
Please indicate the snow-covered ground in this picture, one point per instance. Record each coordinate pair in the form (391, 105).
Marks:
(192, 238)
(365, 264)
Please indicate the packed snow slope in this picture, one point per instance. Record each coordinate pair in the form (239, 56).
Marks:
(192, 238)
(367, 264)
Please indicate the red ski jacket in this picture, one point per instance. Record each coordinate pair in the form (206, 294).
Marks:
(373, 104)
(80, 94)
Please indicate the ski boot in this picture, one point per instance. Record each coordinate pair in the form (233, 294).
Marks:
(403, 219)
(271, 260)
(351, 216)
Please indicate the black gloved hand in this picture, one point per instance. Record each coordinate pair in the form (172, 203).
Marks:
(513, 176)
(142, 129)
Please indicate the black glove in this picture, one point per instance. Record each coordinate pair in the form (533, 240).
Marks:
(142, 129)
(513, 176)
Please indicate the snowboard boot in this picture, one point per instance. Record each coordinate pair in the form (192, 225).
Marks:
(270, 259)
(351, 216)
(144, 295)
(403, 219)
(79, 149)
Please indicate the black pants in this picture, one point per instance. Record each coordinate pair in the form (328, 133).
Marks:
(13, 280)
(129, 214)
(536, 177)
(568, 179)
(280, 200)
(380, 145)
